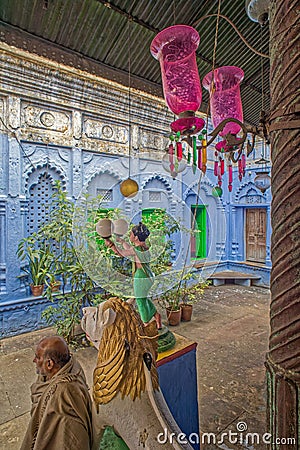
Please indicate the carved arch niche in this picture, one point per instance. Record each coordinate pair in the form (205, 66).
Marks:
(105, 184)
(249, 195)
(157, 193)
(40, 187)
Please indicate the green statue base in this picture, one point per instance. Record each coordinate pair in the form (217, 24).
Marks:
(166, 340)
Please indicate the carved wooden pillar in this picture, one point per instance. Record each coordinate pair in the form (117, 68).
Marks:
(283, 359)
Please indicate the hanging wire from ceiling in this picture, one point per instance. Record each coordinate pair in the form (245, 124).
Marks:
(214, 58)
(129, 96)
(129, 187)
(264, 55)
(200, 177)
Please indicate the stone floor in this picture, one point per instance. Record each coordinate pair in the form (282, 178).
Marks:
(230, 325)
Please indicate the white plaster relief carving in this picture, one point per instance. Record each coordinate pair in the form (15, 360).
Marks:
(3, 156)
(165, 183)
(72, 86)
(107, 132)
(38, 117)
(99, 146)
(64, 154)
(87, 157)
(107, 167)
(135, 137)
(68, 90)
(14, 105)
(97, 129)
(150, 140)
(77, 124)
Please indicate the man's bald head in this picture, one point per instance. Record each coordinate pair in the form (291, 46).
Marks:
(51, 355)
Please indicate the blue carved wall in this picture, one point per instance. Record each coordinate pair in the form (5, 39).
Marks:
(85, 145)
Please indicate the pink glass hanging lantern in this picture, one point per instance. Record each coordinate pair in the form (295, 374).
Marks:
(175, 49)
(225, 98)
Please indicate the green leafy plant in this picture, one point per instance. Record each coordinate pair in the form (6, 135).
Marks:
(38, 259)
(187, 290)
(161, 226)
(77, 288)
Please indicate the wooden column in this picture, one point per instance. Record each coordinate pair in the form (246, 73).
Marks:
(283, 359)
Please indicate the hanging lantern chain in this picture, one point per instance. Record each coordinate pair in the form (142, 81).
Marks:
(129, 97)
(185, 265)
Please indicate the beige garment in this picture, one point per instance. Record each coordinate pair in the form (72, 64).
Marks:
(61, 414)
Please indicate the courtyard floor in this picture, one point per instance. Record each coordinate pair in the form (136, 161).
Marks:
(230, 325)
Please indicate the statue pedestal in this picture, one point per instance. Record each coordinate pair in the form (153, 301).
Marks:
(178, 382)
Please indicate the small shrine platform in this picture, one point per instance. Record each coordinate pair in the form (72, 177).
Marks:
(232, 277)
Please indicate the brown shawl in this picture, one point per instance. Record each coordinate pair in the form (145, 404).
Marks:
(61, 414)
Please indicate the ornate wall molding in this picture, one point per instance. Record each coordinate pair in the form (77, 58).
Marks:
(72, 108)
(206, 186)
(62, 56)
(42, 162)
(159, 178)
(249, 194)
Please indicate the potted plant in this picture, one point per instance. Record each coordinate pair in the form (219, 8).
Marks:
(52, 282)
(170, 301)
(173, 309)
(179, 300)
(38, 259)
(77, 289)
(190, 294)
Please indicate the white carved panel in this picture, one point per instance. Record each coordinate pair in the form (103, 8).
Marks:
(98, 129)
(77, 124)
(152, 140)
(14, 111)
(49, 119)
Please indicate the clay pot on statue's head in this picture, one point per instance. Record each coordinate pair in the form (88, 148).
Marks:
(120, 227)
(104, 228)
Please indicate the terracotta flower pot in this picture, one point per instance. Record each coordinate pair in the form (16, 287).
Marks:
(54, 286)
(186, 312)
(37, 290)
(173, 317)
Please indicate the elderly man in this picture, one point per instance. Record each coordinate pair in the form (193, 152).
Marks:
(61, 414)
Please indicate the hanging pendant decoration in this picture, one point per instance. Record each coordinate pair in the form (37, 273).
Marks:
(174, 161)
(230, 177)
(129, 188)
(175, 49)
(195, 154)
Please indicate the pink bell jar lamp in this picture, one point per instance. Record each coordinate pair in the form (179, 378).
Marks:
(225, 98)
(175, 49)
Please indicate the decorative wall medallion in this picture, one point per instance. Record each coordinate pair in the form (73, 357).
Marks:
(38, 117)
(96, 129)
(107, 131)
(47, 119)
(152, 141)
